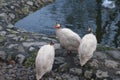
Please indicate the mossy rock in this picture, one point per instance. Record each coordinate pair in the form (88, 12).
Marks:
(2, 38)
(31, 60)
(103, 48)
(12, 31)
(1, 3)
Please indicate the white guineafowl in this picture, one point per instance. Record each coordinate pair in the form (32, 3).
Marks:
(44, 60)
(68, 39)
(87, 47)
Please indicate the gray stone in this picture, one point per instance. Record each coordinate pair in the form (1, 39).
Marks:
(30, 40)
(20, 58)
(3, 15)
(11, 35)
(59, 60)
(30, 3)
(21, 49)
(111, 64)
(12, 7)
(50, 39)
(69, 77)
(3, 33)
(2, 39)
(12, 45)
(57, 46)
(5, 4)
(10, 26)
(3, 55)
(12, 15)
(22, 39)
(100, 55)
(101, 74)
(50, 79)
(94, 63)
(88, 74)
(63, 67)
(76, 71)
(12, 31)
(31, 49)
(1, 27)
(2, 78)
(118, 72)
(16, 38)
(29, 44)
(115, 54)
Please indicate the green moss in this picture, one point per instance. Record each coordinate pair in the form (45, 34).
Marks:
(63, 67)
(0, 3)
(103, 48)
(52, 36)
(25, 10)
(31, 60)
(2, 38)
(12, 31)
(25, 37)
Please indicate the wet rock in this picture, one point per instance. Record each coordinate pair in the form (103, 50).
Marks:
(75, 71)
(111, 64)
(114, 53)
(88, 74)
(30, 3)
(47, 1)
(102, 74)
(20, 58)
(10, 26)
(3, 55)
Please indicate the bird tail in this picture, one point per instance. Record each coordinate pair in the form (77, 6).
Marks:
(83, 60)
(38, 77)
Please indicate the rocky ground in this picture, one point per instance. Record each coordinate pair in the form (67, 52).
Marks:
(18, 49)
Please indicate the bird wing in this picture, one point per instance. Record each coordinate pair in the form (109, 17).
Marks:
(88, 44)
(71, 37)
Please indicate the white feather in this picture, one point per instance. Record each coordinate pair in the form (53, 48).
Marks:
(108, 4)
(68, 39)
(44, 60)
(87, 47)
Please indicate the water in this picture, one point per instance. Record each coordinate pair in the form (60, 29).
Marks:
(77, 15)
